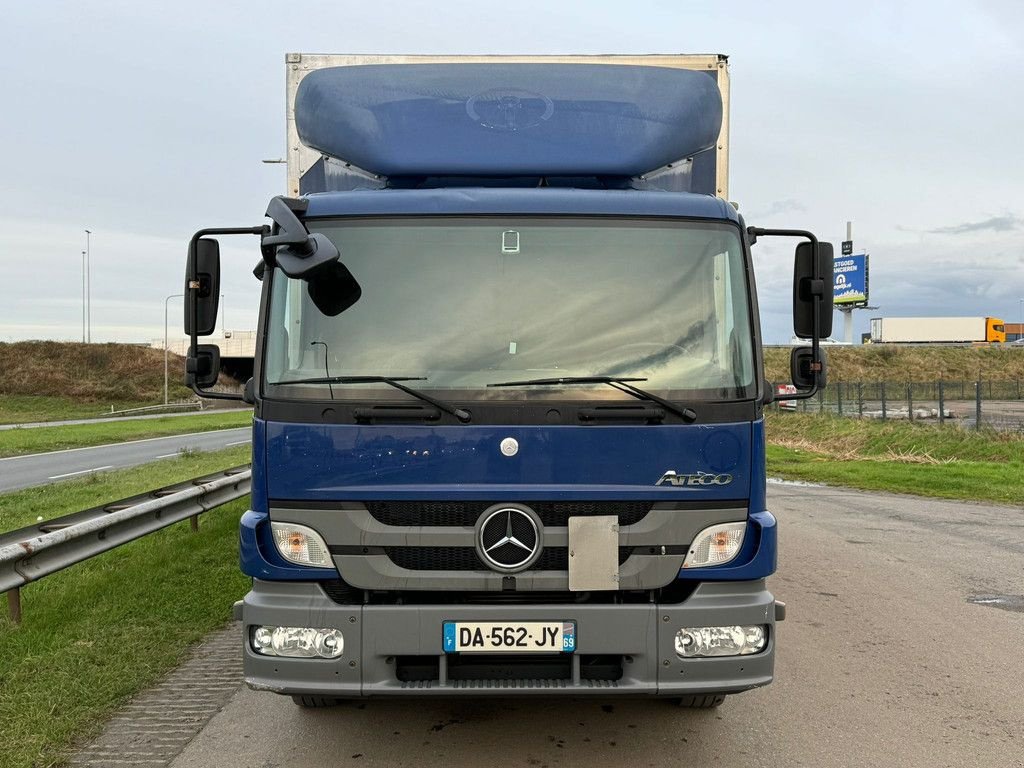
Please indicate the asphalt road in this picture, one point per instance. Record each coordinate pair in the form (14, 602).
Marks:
(41, 468)
(883, 661)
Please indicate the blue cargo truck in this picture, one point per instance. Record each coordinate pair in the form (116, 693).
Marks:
(508, 385)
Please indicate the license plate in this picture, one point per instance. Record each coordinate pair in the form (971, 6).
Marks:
(509, 637)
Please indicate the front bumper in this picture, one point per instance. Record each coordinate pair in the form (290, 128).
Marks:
(378, 636)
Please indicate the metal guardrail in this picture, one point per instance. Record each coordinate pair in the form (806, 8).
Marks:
(30, 553)
(982, 404)
(197, 404)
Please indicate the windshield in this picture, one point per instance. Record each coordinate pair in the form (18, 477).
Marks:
(464, 303)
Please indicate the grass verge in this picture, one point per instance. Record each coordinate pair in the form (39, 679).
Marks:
(20, 409)
(900, 457)
(18, 442)
(896, 363)
(100, 631)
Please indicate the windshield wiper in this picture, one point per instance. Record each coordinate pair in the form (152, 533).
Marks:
(620, 383)
(393, 381)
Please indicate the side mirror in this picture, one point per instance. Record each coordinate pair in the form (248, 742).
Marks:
(333, 289)
(803, 370)
(202, 366)
(249, 392)
(202, 293)
(812, 296)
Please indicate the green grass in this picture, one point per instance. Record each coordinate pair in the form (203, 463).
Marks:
(58, 380)
(19, 409)
(98, 632)
(55, 379)
(17, 442)
(896, 363)
(901, 457)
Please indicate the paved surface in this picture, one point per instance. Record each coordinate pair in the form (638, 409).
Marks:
(41, 468)
(158, 724)
(883, 661)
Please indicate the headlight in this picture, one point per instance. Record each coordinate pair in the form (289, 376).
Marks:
(715, 545)
(695, 642)
(299, 544)
(298, 642)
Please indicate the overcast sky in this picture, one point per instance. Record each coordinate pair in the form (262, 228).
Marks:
(144, 123)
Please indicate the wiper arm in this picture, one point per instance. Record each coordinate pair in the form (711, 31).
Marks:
(620, 383)
(393, 381)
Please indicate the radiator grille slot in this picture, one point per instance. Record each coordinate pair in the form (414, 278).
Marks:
(509, 670)
(342, 593)
(465, 558)
(466, 513)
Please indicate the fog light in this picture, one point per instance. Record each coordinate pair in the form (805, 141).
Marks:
(262, 640)
(298, 642)
(696, 642)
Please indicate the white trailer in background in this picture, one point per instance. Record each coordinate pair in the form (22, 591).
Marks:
(937, 330)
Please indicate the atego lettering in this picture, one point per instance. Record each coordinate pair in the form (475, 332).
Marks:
(671, 477)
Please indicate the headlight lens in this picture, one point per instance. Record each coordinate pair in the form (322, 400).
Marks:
(715, 545)
(696, 642)
(298, 642)
(300, 544)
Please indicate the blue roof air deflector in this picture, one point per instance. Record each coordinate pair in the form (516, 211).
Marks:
(487, 120)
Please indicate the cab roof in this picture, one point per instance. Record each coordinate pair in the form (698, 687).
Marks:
(471, 201)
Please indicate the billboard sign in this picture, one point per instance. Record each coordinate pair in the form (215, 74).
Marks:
(850, 280)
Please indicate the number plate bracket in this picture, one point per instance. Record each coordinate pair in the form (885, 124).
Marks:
(593, 553)
(508, 637)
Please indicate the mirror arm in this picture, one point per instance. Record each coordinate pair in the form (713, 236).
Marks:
(817, 289)
(290, 246)
(289, 230)
(800, 394)
(193, 285)
(211, 395)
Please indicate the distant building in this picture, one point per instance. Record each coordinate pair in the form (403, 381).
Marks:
(237, 350)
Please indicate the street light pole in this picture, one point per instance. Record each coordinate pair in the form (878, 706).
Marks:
(88, 289)
(172, 296)
(83, 297)
(847, 311)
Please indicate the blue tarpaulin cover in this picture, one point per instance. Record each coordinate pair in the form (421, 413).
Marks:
(406, 120)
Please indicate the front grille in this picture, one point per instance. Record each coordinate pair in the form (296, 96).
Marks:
(465, 558)
(342, 593)
(495, 670)
(466, 513)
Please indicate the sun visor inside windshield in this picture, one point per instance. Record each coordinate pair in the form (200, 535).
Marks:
(486, 120)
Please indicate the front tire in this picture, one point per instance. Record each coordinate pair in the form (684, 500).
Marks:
(314, 702)
(706, 701)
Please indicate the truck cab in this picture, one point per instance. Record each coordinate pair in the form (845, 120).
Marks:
(508, 388)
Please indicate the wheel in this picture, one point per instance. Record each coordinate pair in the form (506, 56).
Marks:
(314, 702)
(706, 701)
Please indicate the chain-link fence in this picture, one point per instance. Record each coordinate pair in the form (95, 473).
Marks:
(998, 404)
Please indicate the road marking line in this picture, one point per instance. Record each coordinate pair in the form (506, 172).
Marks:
(238, 442)
(127, 442)
(168, 455)
(80, 472)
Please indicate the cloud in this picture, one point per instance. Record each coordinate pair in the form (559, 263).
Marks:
(779, 206)
(1004, 223)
